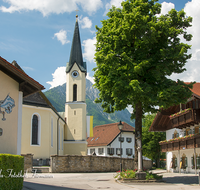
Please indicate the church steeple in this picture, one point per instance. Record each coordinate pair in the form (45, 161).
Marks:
(76, 51)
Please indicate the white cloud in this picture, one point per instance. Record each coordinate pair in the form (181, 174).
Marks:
(59, 77)
(91, 79)
(89, 49)
(85, 22)
(192, 66)
(116, 3)
(47, 7)
(62, 37)
(28, 68)
(166, 7)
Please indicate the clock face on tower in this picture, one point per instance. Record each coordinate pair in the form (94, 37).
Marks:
(75, 74)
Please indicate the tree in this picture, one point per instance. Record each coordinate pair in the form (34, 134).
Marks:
(150, 140)
(136, 52)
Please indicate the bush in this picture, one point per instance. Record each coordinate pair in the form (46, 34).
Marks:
(11, 172)
(131, 174)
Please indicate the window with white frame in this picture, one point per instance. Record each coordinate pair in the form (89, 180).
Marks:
(110, 151)
(92, 150)
(121, 139)
(128, 140)
(100, 151)
(119, 151)
(129, 151)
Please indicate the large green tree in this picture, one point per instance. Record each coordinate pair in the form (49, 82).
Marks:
(136, 52)
(150, 140)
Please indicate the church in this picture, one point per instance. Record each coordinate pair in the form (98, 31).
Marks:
(38, 128)
(46, 132)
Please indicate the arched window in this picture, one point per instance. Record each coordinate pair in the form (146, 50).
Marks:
(74, 92)
(35, 130)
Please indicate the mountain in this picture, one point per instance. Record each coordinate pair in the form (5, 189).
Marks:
(57, 96)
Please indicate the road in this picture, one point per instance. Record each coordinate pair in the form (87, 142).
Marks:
(87, 181)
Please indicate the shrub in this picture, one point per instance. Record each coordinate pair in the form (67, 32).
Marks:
(11, 172)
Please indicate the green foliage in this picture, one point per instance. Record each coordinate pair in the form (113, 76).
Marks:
(126, 174)
(150, 140)
(136, 52)
(150, 175)
(11, 180)
(131, 174)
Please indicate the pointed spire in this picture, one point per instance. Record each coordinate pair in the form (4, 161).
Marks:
(76, 51)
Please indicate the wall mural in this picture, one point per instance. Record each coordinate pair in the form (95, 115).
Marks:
(7, 104)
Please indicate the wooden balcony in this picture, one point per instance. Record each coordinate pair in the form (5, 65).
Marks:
(186, 119)
(181, 143)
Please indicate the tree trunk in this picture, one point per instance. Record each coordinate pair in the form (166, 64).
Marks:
(138, 129)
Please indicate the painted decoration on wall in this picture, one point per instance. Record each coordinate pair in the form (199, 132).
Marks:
(7, 104)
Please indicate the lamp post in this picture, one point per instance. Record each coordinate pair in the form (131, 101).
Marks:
(120, 126)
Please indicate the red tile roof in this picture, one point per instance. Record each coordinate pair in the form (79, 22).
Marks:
(18, 75)
(105, 134)
(196, 88)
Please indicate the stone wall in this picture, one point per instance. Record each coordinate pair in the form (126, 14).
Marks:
(28, 161)
(75, 163)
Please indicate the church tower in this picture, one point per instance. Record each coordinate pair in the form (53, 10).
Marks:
(75, 106)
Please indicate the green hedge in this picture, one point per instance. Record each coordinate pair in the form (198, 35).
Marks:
(11, 172)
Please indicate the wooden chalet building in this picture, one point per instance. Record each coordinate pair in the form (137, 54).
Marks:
(182, 126)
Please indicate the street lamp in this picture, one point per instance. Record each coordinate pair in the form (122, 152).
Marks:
(120, 126)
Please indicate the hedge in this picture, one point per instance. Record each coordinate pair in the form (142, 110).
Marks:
(11, 172)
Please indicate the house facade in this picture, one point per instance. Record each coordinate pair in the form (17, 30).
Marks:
(15, 84)
(182, 126)
(106, 141)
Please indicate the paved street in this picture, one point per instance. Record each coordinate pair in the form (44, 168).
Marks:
(87, 181)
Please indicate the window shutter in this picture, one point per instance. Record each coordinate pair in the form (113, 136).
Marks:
(186, 164)
(175, 160)
(192, 161)
(198, 161)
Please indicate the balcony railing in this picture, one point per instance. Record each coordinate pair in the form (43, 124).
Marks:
(181, 143)
(185, 118)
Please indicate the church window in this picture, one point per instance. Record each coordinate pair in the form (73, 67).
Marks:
(74, 92)
(35, 130)
(74, 131)
(1, 131)
(74, 112)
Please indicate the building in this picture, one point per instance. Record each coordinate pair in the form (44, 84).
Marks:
(182, 144)
(75, 107)
(42, 128)
(15, 85)
(106, 141)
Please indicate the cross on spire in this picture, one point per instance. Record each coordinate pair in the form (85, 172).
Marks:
(76, 14)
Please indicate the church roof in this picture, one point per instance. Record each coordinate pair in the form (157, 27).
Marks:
(104, 135)
(76, 52)
(26, 84)
(39, 99)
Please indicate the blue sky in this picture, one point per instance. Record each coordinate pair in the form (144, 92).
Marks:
(38, 34)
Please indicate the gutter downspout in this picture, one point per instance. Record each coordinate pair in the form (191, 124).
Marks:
(58, 136)
(195, 161)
